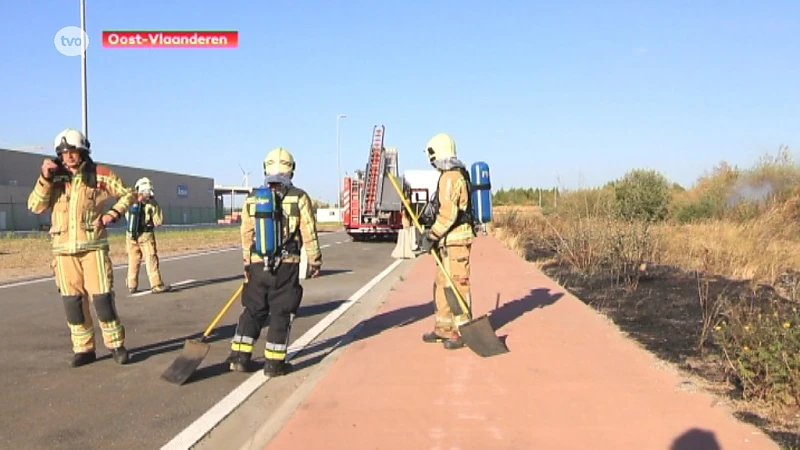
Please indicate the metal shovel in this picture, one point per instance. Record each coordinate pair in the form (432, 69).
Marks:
(195, 350)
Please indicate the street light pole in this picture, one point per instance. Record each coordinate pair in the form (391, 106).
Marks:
(338, 169)
(84, 103)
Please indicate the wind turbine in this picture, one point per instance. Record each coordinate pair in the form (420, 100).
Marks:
(245, 177)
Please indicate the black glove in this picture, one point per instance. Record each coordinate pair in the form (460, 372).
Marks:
(426, 242)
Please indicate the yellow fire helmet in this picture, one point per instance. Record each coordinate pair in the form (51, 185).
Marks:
(440, 147)
(71, 139)
(279, 161)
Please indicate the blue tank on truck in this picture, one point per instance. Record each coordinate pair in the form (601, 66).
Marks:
(481, 192)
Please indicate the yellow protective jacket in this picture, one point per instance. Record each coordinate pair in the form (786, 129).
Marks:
(299, 230)
(452, 225)
(77, 206)
(151, 216)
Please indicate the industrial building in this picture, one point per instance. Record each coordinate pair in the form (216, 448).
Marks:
(185, 199)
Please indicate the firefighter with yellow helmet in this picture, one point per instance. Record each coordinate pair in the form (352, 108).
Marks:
(272, 284)
(140, 240)
(452, 233)
(75, 188)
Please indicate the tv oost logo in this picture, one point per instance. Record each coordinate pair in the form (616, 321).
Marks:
(70, 40)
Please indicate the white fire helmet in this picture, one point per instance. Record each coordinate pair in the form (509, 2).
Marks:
(144, 186)
(71, 139)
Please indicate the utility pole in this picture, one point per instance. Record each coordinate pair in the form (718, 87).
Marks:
(338, 169)
(84, 103)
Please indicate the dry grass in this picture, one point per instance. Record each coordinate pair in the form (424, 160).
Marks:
(23, 257)
(757, 251)
(717, 297)
(500, 211)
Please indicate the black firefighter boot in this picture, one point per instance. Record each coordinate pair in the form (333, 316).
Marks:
(432, 337)
(453, 343)
(120, 354)
(83, 358)
(239, 361)
(276, 367)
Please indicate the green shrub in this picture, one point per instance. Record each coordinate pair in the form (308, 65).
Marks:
(762, 348)
(708, 206)
(643, 195)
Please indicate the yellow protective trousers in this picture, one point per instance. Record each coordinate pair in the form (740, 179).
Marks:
(455, 259)
(143, 246)
(83, 277)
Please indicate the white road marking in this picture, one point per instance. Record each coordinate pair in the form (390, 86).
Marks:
(124, 265)
(205, 423)
(325, 246)
(179, 283)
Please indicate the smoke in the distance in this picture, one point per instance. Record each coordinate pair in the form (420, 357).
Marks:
(744, 190)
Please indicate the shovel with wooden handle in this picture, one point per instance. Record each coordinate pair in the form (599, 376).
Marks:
(195, 350)
(478, 334)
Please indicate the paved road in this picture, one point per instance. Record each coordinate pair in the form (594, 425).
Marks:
(104, 405)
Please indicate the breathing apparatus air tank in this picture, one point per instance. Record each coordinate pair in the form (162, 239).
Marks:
(481, 192)
(133, 218)
(268, 218)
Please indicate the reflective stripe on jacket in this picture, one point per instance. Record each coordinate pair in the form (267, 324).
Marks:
(77, 206)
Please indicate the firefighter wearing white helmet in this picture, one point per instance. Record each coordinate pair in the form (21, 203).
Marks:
(141, 239)
(144, 186)
(273, 289)
(451, 232)
(75, 189)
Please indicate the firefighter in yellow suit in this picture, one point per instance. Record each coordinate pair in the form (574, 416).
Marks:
(142, 241)
(452, 234)
(275, 291)
(75, 188)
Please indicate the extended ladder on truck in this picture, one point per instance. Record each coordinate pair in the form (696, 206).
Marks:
(373, 208)
(374, 172)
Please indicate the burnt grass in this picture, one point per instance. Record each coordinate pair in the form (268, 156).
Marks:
(663, 313)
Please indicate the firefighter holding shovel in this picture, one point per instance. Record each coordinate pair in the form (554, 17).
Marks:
(451, 233)
(448, 237)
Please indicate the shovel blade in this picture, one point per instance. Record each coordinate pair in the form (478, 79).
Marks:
(480, 338)
(187, 362)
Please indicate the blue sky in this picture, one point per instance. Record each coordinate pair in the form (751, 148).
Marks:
(568, 92)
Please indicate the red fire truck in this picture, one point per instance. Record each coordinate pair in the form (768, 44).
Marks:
(371, 207)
